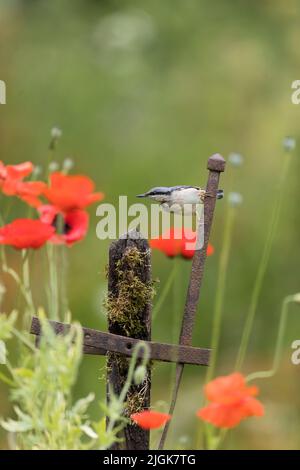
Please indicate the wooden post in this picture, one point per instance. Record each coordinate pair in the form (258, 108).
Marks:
(129, 314)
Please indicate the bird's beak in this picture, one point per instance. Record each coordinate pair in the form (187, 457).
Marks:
(141, 195)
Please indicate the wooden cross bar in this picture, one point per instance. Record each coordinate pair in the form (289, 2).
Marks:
(100, 343)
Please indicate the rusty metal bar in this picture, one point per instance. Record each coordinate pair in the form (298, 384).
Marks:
(215, 165)
(100, 343)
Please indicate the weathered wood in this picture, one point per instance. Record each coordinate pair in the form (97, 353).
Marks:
(122, 268)
(100, 343)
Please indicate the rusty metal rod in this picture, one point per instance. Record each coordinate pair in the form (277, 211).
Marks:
(215, 165)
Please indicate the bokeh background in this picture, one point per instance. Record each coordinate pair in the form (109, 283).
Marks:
(144, 92)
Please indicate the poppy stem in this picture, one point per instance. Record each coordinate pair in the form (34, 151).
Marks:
(63, 276)
(220, 290)
(263, 263)
(140, 350)
(176, 300)
(23, 339)
(53, 300)
(26, 283)
(264, 374)
(219, 308)
(11, 272)
(165, 292)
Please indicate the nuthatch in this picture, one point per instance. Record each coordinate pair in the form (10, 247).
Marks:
(176, 198)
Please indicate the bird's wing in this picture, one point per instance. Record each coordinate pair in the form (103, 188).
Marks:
(180, 187)
(165, 190)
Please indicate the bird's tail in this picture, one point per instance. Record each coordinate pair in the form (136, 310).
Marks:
(220, 194)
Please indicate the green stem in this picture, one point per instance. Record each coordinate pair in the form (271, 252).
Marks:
(145, 358)
(264, 374)
(12, 373)
(18, 280)
(23, 338)
(176, 300)
(165, 292)
(210, 438)
(62, 282)
(220, 290)
(26, 281)
(263, 264)
(54, 301)
(135, 356)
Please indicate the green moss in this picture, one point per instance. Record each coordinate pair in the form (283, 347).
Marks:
(121, 362)
(133, 294)
(135, 400)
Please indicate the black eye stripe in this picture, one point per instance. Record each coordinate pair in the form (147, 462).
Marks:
(154, 193)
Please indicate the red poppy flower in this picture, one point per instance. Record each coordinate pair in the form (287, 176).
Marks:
(148, 419)
(71, 192)
(210, 249)
(25, 233)
(29, 191)
(74, 224)
(12, 184)
(16, 172)
(231, 401)
(178, 242)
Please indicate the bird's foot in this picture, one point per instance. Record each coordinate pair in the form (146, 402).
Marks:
(202, 194)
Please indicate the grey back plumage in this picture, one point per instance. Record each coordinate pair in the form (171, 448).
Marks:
(165, 190)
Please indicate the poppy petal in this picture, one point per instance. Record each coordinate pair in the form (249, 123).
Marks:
(19, 171)
(178, 242)
(25, 233)
(77, 222)
(148, 419)
(221, 416)
(68, 192)
(231, 401)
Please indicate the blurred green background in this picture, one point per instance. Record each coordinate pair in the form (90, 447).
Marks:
(145, 91)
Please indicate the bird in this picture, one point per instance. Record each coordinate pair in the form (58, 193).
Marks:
(177, 198)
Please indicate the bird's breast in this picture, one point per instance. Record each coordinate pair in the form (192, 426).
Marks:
(186, 196)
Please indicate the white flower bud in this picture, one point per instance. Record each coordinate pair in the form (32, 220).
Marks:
(37, 171)
(53, 166)
(56, 133)
(235, 159)
(235, 199)
(289, 144)
(68, 164)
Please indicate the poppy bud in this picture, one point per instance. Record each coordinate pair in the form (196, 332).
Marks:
(68, 164)
(53, 166)
(140, 374)
(56, 133)
(296, 298)
(36, 171)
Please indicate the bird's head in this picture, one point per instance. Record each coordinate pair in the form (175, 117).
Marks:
(158, 194)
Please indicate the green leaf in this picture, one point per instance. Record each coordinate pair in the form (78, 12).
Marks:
(6, 380)
(89, 431)
(15, 426)
(23, 372)
(2, 352)
(6, 325)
